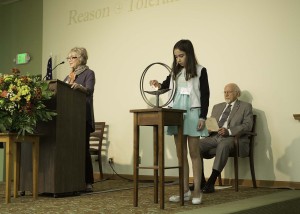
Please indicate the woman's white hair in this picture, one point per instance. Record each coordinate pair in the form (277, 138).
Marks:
(81, 54)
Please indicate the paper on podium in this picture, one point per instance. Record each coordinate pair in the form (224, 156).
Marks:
(212, 124)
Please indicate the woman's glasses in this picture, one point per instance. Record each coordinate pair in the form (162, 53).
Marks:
(72, 57)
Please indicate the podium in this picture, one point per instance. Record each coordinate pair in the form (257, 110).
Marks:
(62, 145)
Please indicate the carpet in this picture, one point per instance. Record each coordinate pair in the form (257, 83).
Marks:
(116, 196)
(288, 207)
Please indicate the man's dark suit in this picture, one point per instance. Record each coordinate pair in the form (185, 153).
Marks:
(240, 119)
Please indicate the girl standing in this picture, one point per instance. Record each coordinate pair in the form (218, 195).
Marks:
(192, 95)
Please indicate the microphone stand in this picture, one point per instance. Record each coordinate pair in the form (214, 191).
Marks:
(54, 68)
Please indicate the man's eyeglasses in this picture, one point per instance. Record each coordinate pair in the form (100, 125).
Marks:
(72, 57)
(228, 92)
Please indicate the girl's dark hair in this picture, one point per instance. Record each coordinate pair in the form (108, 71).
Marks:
(191, 60)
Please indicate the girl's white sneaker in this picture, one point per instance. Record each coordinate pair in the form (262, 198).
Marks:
(197, 201)
(176, 198)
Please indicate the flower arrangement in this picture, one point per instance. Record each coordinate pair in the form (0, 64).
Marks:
(22, 101)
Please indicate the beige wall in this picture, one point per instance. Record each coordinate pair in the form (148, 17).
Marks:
(253, 43)
(21, 24)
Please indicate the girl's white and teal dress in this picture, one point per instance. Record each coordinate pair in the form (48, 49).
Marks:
(181, 100)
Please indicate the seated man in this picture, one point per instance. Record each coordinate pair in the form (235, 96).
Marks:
(233, 116)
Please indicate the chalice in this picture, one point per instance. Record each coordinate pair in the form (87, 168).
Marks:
(158, 92)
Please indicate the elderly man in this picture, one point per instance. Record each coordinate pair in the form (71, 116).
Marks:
(233, 116)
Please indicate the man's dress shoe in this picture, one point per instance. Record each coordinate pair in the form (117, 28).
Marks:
(208, 188)
(191, 187)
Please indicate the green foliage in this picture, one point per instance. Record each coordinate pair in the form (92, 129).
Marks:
(22, 101)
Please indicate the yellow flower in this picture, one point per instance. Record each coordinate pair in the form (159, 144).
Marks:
(22, 103)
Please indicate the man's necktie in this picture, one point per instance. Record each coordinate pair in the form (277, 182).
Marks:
(224, 116)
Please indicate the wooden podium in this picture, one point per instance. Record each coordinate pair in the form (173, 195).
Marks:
(62, 145)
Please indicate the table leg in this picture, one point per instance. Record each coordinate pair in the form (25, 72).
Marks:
(155, 162)
(161, 165)
(135, 161)
(8, 152)
(35, 167)
(180, 159)
(17, 147)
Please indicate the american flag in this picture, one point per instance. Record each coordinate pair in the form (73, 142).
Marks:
(49, 69)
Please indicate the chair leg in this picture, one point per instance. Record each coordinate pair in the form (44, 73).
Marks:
(251, 161)
(100, 165)
(236, 173)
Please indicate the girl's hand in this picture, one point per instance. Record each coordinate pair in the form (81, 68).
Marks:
(201, 124)
(155, 83)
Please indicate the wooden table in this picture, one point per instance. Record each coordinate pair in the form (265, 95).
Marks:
(158, 118)
(12, 149)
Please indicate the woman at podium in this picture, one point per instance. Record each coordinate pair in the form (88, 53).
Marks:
(83, 78)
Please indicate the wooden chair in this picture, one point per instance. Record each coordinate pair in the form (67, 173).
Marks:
(96, 139)
(236, 156)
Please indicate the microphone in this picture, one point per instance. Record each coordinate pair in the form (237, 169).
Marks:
(53, 69)
(58, 65)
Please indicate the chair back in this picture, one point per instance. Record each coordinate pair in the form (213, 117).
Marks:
(251, 137)
(96, 137)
